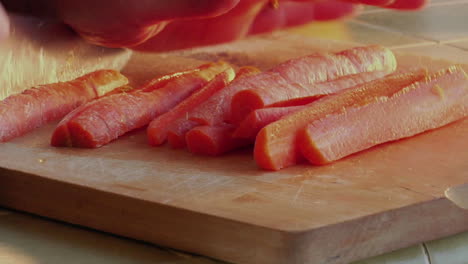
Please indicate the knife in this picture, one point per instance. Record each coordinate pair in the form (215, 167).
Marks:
(458, 195)
(40, 51)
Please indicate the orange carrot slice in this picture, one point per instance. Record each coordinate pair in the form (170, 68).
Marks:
(275, 145)
(161, 81)
(214, 111)
(246, 101)
(158, 128)
(312, 76)
(431, 103)
(154, 83)
(21, 113)
(101, 121)
(213, 140)
(210, 112)
(259, 118)
(176, 136)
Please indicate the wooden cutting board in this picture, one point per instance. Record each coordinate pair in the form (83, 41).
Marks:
(386, 198)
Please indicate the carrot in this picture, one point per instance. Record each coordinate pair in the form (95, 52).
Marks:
(210, 112)
(275, 145)
(161, 81)
(101, 121)
(431, 103)
(154, 83)
(21, 113)
(312, 77)
(158, 128)
(214, 111)
(213, 140)
(259, 118)
(176, 136)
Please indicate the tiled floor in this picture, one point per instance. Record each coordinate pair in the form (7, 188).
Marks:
(26, 239)
(366, 33)
(451, 250)
(436, 23)
(412, 255)
(437, 51)
(371, 9)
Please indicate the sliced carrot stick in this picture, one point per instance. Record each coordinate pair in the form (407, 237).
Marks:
(275, 145)
(176, 136)
(431, 103)
(312, 76)
(322, 67)
(210, 112)
(246, 101)
(161, 81)
(158, 128)
(259, 118)
(214, 111)
(155, 83)
(95, 124)
(214, 140)
(21, 113)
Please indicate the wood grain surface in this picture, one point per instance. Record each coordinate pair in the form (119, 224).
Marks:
(385, 198)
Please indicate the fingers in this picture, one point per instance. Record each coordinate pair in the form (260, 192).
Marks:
(40, 8)
(292, 13)
(372, 2)
(189, 33)
(125, 23)
(396, 4)
(248, 17)
(408, 4)
(334, 9)
(144, 12)
(175, 24)
(4, 24)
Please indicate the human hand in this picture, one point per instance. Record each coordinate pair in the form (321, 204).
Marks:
(158, 25)
(4, 24)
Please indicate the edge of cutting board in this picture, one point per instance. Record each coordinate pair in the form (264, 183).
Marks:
(227, 239)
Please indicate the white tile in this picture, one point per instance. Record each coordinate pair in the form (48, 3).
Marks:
(438, 23)
(26, 239)
(374, 9)
(451, 250)
(368, 34)
(437, 52)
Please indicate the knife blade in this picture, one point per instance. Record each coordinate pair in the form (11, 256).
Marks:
(42, 51)
(458, 195)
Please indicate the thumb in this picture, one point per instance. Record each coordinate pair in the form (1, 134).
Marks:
(128, 22)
